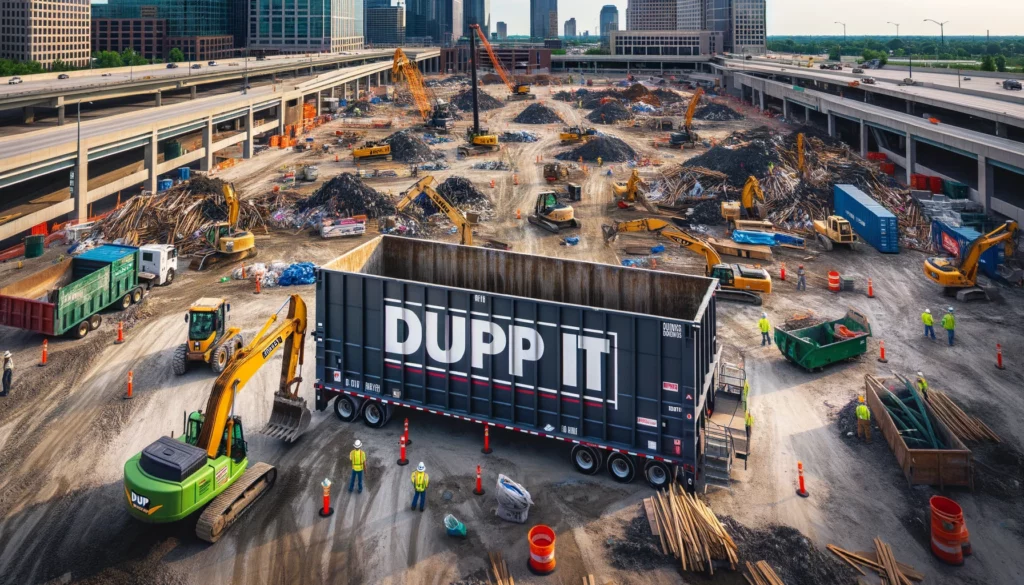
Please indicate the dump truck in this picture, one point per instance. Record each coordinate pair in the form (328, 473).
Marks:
(813, 348)
(615, 363)
(67, 297)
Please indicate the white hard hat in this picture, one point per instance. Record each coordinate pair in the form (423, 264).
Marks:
(359, 444)
(950, 309)
(920, 374)
(929, 311)
(765, 315)
(421, 467)
(7, 354)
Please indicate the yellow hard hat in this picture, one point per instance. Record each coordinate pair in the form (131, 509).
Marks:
(860, 399)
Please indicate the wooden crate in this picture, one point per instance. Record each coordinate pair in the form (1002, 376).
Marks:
(941, 467)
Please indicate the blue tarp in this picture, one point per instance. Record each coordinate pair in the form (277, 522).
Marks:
(765, 239)
(788, 239)
(301, 273)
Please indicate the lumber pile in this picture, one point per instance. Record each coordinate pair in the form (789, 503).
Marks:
(500, 570)
(690, 531)
(761, 573)
(881, 561)
(963, 425)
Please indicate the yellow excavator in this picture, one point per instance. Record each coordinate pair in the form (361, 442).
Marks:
(733, 212)
(207, 467)
(686, 136)
(372, 150)
(225, 242)
(423, 187)
(210, 340)
(629, 190)
(961, 277)
(553, 215)
(574, 134)
(737, 282)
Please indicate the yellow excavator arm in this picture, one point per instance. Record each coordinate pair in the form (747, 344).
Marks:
(402, 67)
(232, 202)
(423, 186)
(692, 108)
(751, 190)
(289, 334)
(666, 230)
(632, 187)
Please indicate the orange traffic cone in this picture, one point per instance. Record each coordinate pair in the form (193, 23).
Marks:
(128, 395)
(120, 332)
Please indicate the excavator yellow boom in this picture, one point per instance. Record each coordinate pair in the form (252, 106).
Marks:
(423, 187)
(402, 67)
(964, 274)
(692, 108)
(231, 200)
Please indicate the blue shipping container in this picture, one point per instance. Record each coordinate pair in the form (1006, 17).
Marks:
(954, 241)
(875, 224)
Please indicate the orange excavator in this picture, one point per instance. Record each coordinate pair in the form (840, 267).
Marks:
(517, 91)
(437, 115)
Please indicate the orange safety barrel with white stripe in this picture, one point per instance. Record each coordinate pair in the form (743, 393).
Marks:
(949, 534)
(834, 283)
(542, 549)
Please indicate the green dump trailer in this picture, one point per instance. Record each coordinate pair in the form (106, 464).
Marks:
(813, 348)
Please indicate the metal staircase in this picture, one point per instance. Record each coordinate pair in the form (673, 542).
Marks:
(717, 458)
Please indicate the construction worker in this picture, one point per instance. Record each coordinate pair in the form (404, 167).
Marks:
(600, 161)
(746, 392)
(749, 424)
(928, 321)
(358, 458)
(801, 279)
(420, 480)
(765, 326)
(863, 420)
(8, 373)
(949, 323)
(922, 385)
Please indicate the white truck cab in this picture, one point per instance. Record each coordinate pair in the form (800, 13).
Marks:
(159, 260)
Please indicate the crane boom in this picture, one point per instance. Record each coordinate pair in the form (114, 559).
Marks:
(401, 67)
(517, 90)
(290, 334)
(423, 186)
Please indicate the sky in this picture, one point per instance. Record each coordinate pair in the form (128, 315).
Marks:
(815, 17)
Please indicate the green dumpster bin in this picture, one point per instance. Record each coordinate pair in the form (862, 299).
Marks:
(34, 246)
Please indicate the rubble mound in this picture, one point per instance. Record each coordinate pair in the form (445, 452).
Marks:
(520, 136)
(639, 550)
(364, 107)
(490, 79)
(739, 162)
(609, 148)
(347, 195)
(537, 114)
(406, 147)
(610, 113)
(461, 191)
(464, 101)
(636, 91)
(447, 81)
(667, 96)
(592, 99)
(707, 212)
(717, 113)
(565, 96)
(796, 560)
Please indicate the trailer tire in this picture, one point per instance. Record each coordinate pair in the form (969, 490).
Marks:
(137, 294)
(94, 322)
(621, 468)
(126, 301)
(586, 460)
(375, 414)
(180, 361)
(347, 408)
(657, 475)
(220, 358)
(80, 330)
(170, 277)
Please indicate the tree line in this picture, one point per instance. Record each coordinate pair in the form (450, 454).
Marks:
(100, 60)
(994, 53)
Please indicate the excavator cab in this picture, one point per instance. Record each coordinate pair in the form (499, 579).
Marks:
(724, 274)
(210, 340)
(553, 215)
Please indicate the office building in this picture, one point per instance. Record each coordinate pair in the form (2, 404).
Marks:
(477, 12)
(305, 26)
(502, 31)
(146, 36)
(570, 28)
(748, 27)
(201, 29)
(437, 22)
(543, 19)
(651, 15)
(45, 31)
(609, 21)
(671, 43)
(384, 22)
(690, 14)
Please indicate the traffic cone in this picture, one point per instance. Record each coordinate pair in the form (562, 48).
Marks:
(120, 332)
(782, 272)
(871, 290)
(487, 441)
(405, 435)
(128, 395)
(243, 272)
(479, 483)
(42, 362)
(519, 214)
(257, 285)
(999, 356)
(802, 491)
(881, 352)
(402, 460)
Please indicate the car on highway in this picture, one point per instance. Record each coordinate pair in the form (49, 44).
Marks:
(1011, 84)
(14, 80)
(212, 63)
(106, 75)
(868, 80)
(63, 76)
(858, 70)
(172, 65)
(197, 66)
(967, 77)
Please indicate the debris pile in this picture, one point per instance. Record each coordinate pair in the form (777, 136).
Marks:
(461, 191)
(433, 139)
(537, 114)
(608, 148)
(639, 93)
(492, 165)
(520, 136)
(344, 196)
(690, 531)
(464, 101)
(667, 96)
(565, 96)
(610, 113)
(407, 147)
(793, 557)
(963, 425)
(737, 162)
(881, 560)
(717, 113)
(594, 99)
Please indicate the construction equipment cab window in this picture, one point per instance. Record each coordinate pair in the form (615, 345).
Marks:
(201, 325)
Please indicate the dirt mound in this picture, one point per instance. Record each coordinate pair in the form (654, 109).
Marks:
(667, 96)
(790, 553)
(610, 113)
(717, 113)
(565, 96)
(707, 213)
(490, 78)
(592, 99)
(464, 101)
(639, 550)
(407, 147)
(461, 191)
(347, 195)
(636, 91)
(609, 148)
(750, 158)
(537, 114)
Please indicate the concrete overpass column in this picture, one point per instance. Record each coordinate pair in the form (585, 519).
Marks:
(984, 180)
(785, 108)
(28, 114)
(357, 89)
(831, 125)
(760, 94)
(80, 186)
(192, 93)
(206, 163)
(863, 139)
(60, 115)
(319, 100)
(910, 107)
(250, 135)
(158, 98)
(280, 116)
(150, 159)
(1001, 129)
(911, 155)
(807, 115)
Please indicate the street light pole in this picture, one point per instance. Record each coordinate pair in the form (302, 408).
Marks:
(897, 25)
(942, 30)
(844, 29)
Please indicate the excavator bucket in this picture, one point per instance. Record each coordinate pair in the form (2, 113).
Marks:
(289, 418)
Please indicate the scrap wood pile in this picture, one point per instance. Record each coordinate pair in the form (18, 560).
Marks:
(761, 573)
(882, 561)
(177, 216)
(963, 425)
(908, 413)
(500, 570)
(690, 531)
(686, 184)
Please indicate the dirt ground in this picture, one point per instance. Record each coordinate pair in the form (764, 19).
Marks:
(65, 431)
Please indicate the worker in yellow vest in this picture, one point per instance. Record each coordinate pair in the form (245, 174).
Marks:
(358, 458)
(765, 326)
(420, 481)
(922, 385)
(929, 323)
(749, 424)
(746, 392)
(863, 421)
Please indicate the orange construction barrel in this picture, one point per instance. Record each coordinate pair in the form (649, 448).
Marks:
(948, 530)
(833, 281)
(542, 549)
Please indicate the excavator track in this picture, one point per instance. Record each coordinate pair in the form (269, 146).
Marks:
(234, 501)
(738, 296)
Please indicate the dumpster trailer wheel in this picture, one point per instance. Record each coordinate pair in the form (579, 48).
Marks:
(586, 460)
(80, 330)
(137, 294)
(126, 300)
(375, 414)
(347, 408)
(657, 474)
(170, 277)
(621, 467)
(94, 322)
